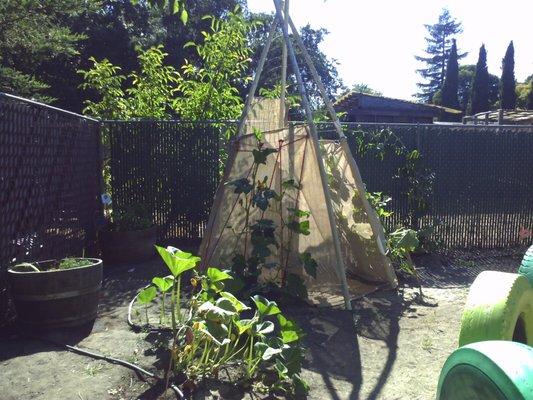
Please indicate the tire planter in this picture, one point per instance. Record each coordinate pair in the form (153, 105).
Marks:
(492, 370)
(526, 267)
(56, 298)
(128, 247)
(499, 307)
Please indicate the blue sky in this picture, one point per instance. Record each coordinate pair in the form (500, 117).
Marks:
(375, 41)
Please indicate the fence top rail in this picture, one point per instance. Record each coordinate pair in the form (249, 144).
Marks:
(166, 121)
(49, 107)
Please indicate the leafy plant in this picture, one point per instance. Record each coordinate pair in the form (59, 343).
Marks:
(266, 249)
(132, 217)
(213, 330)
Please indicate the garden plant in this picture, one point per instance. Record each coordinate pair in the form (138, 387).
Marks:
(214, 331)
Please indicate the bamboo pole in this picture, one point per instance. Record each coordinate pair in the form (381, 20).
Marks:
(257, 76)
(341, 272)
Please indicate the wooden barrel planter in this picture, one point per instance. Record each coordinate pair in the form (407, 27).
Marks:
(56, 298)
(121, 247)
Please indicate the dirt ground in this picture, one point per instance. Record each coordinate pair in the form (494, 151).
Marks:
(392, 346)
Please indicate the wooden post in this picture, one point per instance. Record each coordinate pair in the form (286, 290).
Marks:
(341, 271)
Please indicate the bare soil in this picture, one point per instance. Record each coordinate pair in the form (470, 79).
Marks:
(392, 346)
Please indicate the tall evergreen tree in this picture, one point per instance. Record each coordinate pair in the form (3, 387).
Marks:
(508, 82)
(451, 81)
(479, 95)
(439, 43)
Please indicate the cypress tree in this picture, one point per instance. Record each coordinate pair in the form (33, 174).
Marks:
(508, 82)
(451, 80)
(479, 95)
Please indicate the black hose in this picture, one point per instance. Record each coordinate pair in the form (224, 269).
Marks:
(112, 360)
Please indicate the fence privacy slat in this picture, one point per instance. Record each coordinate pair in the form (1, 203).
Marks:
(483, 189)
(49, 184)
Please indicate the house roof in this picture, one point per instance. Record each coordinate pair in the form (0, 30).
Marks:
(513, 117)
(357, 100)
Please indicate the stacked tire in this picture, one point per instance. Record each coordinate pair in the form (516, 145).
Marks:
(495, 357)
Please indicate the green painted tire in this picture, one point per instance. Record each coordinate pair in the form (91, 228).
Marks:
(492, 370)
(499, 307)
(526, 267)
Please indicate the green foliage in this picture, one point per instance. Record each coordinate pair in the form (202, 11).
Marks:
(150, 91)
(529, 102)
(209, 91)
(34, 34)
(450, 88)
(439, 44)
(364, 88)
(68, 263)
(479, 95)
(266, 248)
(132, 217)
(466, 76)
(508, 82)
(212, 329)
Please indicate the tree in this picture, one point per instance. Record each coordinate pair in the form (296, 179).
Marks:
(312, 38)
(34, 34)
(508, 82)
(529, 103)
(364, 88)
(451, 81)
(479, 96)
(439, 43)
(466, 75)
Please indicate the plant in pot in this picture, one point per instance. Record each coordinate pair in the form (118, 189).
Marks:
(56, 293)
(129, 236)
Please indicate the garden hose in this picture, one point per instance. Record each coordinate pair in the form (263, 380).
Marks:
(499, 307)
(491, 370)
(526, 267)
(111, 360)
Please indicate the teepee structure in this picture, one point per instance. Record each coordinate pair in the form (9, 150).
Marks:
(304, 197)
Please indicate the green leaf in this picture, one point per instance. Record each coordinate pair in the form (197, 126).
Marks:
(290, 331)
(214, 330)
(299, 213)
(237, 304)
(217, 275)
(147, 295)
(184, 16)
(163, 284)
(212, 312)
(281, 369)
(176, 260)
(404, 239)
(309, 263)
(269, 353)
(244, 325)
(264, 327)
(260, 155)
(290, 184)
(265, 307)
(242, 185)
(301, 388)
(301, 227)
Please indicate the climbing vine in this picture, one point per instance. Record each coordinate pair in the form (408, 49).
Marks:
(255, 265)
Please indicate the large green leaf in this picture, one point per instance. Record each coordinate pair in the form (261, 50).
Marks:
(237, 304)
(147, 295)
(265, 307)
(163, 284)
(244, 325)
(176, 260)
(290, 331)
(404, 239)
(260, 156)
(262, 328)
(220, 312)
(215, 331)
(217, 275)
